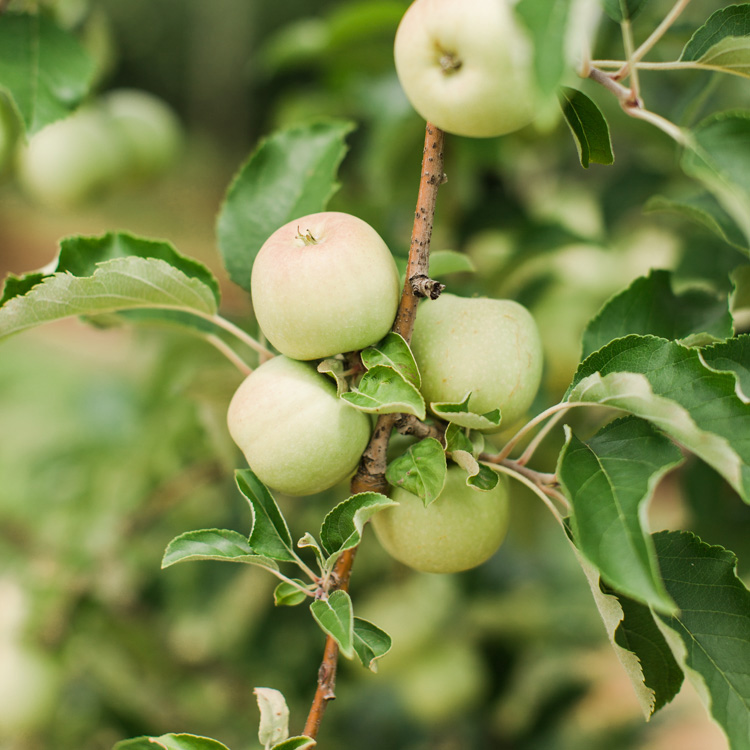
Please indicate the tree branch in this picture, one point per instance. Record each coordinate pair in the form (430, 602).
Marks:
(370, 476)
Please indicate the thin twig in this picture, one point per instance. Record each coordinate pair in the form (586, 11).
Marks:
(532, 486)
(371, 473)
(525, 457)
(627, 38)
(236, 331)
(230, 354)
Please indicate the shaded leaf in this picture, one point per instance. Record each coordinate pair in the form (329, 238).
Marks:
(588, 126)
(703, 209)
(421, 470)
(383, 390)
(300, 742)
(485, 479)
(335, 617)
(370, 643)
(732, 355)
(393, 351)
(460, 414)
(342, 527)
(711, 634)
(668, 385)
(446, 262)
(291, 173)
(623, 10)
(287, 595)
(44, 68)
(171, 742)
(723, 42)
(649, 306)
(213, 544)
(335, 368)
(310, 542)
(609, 480)
(274, 716)
(119, 284)
(270, 535)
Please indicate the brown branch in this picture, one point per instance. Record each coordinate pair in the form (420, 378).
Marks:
(370, 476)
(408, 424)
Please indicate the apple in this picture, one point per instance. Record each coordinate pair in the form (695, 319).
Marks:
(458, 531)
(324, 284)
(466, 66)
(488, 347)
(147, 129)
(297, 435)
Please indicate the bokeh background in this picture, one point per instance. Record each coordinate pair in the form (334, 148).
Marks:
(113, 441)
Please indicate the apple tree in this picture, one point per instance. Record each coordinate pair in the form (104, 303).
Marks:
(446, 387)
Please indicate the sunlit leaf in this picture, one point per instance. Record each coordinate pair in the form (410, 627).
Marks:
(44, 68)
(668, 385)
(421, 470)
(723, 42)
(342, 527)
(288, 595)
(291, 173)
(383, 390)
(335, 617)
(649, 306)
(270, 535)
(393, 351)
(171, 742)
(609, 480)
(274, 716)
(459, 413)
(370, 643)
(213, 544)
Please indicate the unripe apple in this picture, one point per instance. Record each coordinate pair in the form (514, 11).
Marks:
(324, 284)
(458, 531)
(147, 129)
(466, 66)
(488, 347)
(297, 435)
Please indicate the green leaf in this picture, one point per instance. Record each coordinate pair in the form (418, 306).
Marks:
(460, 414)
(485, 479)
(446, 262)
(274, 716)
(213, 544)
(171, 742)
(421, 470)
(704, 209)
(719, 157)
(287, 595)
(723, 42)
(384, 390)
(668, 385)
(370, 643)
(119, 284)
(711, 634)
(270, 535)
(342, 527)
(292, 173)
(300, 742)
(44, 69)
(335, 617)
(623, 10)
(588, 126)
(393, 351)
(17, 286)
(639, 634)
(649, 306)
(609, 482)
(310, 542)
(733, 356)
(548, 24)
(456, 439)
(335, 368)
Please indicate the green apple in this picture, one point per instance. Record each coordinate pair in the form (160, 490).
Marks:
(458, 531)
(71, 161)
(148, 130)
(324, 284)
(488, 347)
(297, 435)
(466, 66)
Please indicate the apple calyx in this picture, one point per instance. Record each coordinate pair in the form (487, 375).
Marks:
(449, 62)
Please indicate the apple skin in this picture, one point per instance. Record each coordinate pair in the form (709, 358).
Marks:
(466, 66)
(297, 436)
(460, 530)
(487, 346)
(324, 284)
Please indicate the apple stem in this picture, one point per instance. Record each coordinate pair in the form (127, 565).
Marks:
(308, 238)
(370, 476)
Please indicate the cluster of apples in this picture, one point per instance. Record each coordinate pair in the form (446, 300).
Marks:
(327, 284)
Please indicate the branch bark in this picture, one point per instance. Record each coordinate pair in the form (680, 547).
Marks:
(370, 476)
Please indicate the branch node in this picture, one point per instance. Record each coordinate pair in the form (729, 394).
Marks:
(423, 286)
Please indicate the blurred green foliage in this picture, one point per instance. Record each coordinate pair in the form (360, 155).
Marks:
(109, 450)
